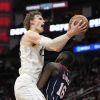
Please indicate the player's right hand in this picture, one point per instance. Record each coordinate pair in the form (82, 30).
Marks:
(78, 28)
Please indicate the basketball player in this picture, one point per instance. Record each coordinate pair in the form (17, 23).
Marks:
(32, 47)
(55, 79)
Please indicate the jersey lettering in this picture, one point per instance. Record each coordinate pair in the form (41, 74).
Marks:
(62, 90)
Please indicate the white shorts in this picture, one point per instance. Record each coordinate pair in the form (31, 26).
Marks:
(26, 89)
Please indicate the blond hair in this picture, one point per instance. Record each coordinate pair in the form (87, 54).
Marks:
(30, 16)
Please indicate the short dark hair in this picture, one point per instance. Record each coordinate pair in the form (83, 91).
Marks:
(66, 58)
(30, 16)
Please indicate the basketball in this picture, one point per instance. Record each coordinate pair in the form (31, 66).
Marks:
(77, 18)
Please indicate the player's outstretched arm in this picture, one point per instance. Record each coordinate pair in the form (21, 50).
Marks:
(59, 42)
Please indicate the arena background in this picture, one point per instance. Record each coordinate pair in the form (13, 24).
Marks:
(86, 47)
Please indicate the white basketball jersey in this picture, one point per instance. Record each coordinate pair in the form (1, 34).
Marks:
(32, 60)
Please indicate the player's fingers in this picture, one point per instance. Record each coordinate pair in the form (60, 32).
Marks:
(83, 25)
(79, 23)
(84, 29)
(73, 23)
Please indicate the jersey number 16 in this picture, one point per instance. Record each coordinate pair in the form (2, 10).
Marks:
(62, 90)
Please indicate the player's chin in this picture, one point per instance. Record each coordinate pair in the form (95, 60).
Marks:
(41, 30)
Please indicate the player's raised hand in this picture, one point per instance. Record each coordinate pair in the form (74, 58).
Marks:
(78, 28)
(78, 24)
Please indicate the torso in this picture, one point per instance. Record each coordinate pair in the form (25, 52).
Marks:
(32, 58)
(57, 85)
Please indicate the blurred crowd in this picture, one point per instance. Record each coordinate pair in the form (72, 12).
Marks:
(86, 81)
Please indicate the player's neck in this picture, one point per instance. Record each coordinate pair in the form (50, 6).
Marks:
(32, 30)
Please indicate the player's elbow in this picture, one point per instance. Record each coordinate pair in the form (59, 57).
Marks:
(56, 49)
(53, 49)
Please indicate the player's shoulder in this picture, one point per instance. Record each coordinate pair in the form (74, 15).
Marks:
(33, 35)
(29, 33)
(53, 65)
